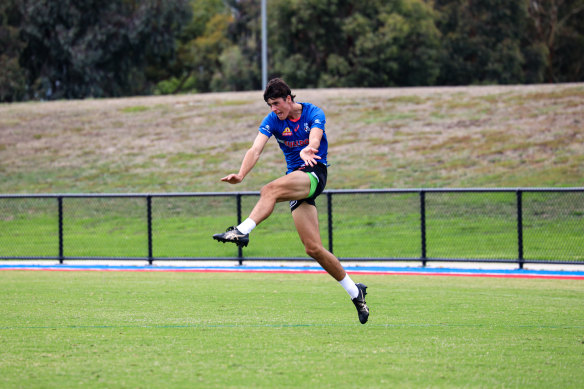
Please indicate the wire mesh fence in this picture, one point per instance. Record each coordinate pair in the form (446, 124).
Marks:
(29, 227)
(553, 226)
(487, 225)
(476, 225)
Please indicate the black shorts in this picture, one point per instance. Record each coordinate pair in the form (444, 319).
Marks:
(319, 171)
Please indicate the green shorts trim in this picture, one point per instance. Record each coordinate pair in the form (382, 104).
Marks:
(313, 183)
(317, 176)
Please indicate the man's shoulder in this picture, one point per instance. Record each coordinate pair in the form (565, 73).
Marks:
(314, 114)
(270, 125)
(310, 107)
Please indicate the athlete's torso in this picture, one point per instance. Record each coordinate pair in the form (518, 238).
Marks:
(293, 136)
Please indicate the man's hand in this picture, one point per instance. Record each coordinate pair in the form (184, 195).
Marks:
(308, 155)
(233, 178)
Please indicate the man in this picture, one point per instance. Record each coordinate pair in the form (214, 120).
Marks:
(299, 130)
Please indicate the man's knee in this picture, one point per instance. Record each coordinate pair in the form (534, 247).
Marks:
(314, 250)
(268, 190)
(273, 190)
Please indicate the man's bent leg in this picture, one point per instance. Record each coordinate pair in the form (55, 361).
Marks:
(293, 186)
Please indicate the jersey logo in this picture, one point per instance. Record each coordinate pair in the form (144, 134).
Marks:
(266, 128)
(287, 132)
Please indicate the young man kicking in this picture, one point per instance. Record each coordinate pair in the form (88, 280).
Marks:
(299, 130)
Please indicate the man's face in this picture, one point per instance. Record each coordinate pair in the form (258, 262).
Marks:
(281, 107)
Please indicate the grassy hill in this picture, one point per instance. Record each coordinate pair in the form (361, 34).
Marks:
(487, 136)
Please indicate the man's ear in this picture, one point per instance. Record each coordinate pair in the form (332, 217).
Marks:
(288, 99)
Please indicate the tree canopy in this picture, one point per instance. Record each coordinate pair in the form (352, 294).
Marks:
(90, 48)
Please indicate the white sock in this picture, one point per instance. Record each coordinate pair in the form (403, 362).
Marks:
(246, 226)
(349, 286)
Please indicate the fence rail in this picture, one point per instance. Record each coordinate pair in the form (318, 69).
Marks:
(511, 225)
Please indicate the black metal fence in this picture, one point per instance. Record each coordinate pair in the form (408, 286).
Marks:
(525, 225)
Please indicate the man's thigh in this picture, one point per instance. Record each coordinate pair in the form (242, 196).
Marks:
(293, 186)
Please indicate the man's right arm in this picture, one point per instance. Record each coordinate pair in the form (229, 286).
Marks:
(251, 157)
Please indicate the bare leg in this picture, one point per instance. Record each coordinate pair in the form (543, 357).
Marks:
(293, 186)
(306, 221)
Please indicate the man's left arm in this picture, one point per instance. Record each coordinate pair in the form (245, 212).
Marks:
(308, 154)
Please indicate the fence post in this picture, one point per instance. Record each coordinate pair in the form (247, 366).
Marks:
(423, 225)
(239, 248)
(329, 200)
(520, 259)
(149, 218)
(60, 206)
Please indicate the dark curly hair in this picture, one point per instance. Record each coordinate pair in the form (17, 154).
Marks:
(277, 88)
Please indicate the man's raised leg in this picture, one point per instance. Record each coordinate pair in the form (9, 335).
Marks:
(293, 186)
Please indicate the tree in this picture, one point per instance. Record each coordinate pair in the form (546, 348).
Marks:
(482, 41)
(12, 76)
(556, 27)
(245, 33)
(200, 45)
(400, 47)
(91, 48)
(354, 43)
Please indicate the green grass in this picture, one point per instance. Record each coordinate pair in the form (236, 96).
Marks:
(184, 330)
(134, 109)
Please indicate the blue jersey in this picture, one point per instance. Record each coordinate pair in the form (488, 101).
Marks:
(292, 136)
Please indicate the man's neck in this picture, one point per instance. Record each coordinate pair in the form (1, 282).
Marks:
(296, 112)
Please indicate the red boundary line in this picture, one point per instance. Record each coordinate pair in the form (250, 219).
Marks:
(283, 271)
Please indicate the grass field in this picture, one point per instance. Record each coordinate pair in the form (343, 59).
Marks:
(185, 330)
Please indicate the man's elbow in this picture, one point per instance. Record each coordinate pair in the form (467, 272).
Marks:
(254, 153)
